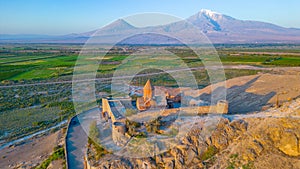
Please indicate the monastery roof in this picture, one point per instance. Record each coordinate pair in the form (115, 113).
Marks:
(148, 86)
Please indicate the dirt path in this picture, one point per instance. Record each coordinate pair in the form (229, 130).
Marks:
(272, 53)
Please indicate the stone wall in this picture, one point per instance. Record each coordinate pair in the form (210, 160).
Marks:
(119, 138)
(220, 108)
(106, 108)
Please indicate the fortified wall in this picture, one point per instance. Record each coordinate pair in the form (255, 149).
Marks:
(111, 111)
(114, 110)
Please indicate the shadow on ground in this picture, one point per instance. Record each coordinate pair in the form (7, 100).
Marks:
(241, 101)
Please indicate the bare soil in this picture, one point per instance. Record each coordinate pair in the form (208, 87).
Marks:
(30, 153)
(254, 93)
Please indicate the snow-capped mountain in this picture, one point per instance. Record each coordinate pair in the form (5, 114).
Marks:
(217, 27)
(223, 28)
(208, 20)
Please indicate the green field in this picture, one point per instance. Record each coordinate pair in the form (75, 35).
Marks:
(53, 61)
(26, 109)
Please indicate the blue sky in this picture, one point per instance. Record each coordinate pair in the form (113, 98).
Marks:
(76, 16)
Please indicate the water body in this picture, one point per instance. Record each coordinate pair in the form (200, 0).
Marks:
(32, 135)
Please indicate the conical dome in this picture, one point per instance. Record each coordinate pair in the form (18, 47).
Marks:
(148, 93)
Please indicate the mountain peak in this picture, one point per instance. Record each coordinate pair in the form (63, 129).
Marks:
(207, 20)
(209, 12)
(121, 21)
(219, 28)
(212, 15)
(119, 24)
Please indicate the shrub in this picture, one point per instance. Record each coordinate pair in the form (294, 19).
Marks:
(58, 154)
(94, 132)
(94, 142)
(249, 165)
(132, 123)
(141, 135)
(154, 125)
(231, 163)
(130, 112)
(98, 149)
(209, 153)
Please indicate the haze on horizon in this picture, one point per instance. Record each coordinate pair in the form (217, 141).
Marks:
(75, 16)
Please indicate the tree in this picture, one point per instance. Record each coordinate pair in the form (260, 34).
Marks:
(94, 132)
(94, 142)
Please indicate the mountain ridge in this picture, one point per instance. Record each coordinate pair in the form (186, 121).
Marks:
(219, 28)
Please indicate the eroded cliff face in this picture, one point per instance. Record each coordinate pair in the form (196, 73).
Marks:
(261, 141)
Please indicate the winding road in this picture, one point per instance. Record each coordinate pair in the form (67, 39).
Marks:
(76, 138)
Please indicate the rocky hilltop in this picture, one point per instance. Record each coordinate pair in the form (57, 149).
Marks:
(266, 139)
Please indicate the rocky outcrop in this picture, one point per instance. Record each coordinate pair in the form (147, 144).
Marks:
(289, 144)
(250, 142)
(272, 142)
(191, 152)
(226, 132)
